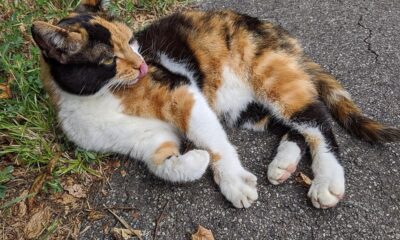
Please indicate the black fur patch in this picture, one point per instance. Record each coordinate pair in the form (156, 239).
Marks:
(317, 114)
(169, 36)
(165, 77)
(298, 138)
(253, 113)
(228, 37)
(80, 78)
(252, 24)
(98, 33)
(81, 18)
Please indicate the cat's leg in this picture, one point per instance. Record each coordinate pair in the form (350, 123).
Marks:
(157, 144)
(290, 150)
(152, 141)
(292, 146)
(328, 185)
(204, 129)
(281, 83)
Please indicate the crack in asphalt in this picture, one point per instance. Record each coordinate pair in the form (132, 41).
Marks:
(366, 40)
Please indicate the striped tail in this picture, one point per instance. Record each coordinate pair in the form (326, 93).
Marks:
(345, 111)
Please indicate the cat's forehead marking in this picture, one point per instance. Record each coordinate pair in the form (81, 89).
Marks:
(119, 39)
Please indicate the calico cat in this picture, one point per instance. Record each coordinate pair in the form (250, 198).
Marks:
(139, 94)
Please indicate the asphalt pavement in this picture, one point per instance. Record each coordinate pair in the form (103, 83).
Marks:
(359, 42)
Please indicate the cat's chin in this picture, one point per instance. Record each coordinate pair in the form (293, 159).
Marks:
(131, 82)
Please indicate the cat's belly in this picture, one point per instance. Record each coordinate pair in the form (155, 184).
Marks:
(232, 97)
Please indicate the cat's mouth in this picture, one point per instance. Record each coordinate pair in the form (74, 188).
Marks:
(143, 69)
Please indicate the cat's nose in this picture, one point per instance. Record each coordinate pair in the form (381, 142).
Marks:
(143, 69)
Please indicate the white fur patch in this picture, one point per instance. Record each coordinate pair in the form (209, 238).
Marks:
(233, 96)
(135, 48)
(177, 67)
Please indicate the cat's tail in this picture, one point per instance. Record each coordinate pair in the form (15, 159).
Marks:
(345, 111)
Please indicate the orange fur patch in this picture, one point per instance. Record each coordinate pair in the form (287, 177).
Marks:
(164, 151)
(215, 157)
(150, 99)
(278, 77)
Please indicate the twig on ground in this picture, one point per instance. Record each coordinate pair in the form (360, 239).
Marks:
(159, 220)
(125, 224)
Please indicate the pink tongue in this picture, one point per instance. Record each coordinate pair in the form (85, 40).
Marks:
(143, 69)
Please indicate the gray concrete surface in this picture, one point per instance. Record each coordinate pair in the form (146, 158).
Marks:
(359, 42)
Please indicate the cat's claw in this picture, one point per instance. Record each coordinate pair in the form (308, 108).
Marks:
(239, 188)
(326, 192)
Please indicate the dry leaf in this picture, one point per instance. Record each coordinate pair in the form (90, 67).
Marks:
(19, 209)
(5, 91)
(127, 229)
(52, 163)
(76, 190)
(66, 199)
(202, 234)
(95, 215)
(124, 234)
(303, 179)
(37, 223)
(35, 188)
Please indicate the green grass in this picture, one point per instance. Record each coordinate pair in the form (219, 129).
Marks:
(29, 133)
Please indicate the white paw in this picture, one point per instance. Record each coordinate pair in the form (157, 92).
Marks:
(284, 163)
(183, 168)
(194, 163)
(239, 188)
(326, 192)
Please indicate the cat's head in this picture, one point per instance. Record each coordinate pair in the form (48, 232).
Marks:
(89, 50)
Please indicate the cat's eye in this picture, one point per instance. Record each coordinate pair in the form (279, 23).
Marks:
(107, 61)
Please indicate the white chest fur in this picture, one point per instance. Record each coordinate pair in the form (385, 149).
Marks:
(233, 96)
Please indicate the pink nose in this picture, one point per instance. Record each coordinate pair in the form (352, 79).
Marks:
(143, 69)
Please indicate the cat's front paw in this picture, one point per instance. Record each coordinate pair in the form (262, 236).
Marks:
(192, 165)
(239, 188)
(326, 192)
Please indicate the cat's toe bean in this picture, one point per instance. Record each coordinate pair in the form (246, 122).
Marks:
(326, 193)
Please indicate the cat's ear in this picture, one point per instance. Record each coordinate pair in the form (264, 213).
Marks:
(56, 42)
(92, 6)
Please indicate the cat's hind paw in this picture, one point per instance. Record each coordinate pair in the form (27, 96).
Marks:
(284, 163)
(326, 192)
